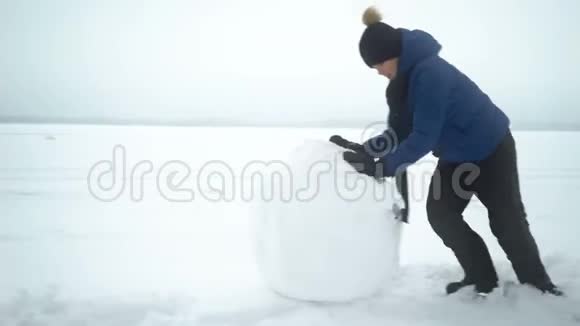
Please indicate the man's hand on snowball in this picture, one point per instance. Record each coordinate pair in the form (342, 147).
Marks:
(366, 164)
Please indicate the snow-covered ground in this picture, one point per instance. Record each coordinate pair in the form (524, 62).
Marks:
(68, 258)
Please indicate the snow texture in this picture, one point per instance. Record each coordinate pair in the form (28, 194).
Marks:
(68, 259)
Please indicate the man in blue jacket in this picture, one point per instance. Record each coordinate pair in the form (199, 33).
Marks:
(454, 119)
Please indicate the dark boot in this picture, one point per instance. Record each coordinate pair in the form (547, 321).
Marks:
(482, 288)
(549, 288)
(456, 286)
(485, 288)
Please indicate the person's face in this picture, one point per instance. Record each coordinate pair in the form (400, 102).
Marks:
(387, 68)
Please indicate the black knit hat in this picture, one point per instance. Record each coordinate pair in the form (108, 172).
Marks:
(379, 42)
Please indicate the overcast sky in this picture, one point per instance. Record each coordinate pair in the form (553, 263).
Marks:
(264, 62)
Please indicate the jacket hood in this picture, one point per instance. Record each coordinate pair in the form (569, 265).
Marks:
(417, 46)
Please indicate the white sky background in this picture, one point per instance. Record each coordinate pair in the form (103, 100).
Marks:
(264, 62)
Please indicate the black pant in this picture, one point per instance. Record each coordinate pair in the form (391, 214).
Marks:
(497, 186)
(403, 189)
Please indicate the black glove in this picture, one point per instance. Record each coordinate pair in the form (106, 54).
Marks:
(365, 164)
(338, 140)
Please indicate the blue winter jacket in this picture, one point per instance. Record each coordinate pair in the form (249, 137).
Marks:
(451, 115)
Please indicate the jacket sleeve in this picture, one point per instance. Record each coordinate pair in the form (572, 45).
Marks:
(431, 99)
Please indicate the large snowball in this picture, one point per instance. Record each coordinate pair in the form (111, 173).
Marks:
(336, 238)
